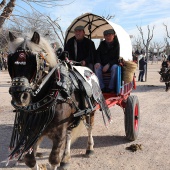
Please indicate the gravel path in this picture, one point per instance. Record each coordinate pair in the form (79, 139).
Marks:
(110, 144)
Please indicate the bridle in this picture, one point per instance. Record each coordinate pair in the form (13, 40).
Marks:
(34, 86)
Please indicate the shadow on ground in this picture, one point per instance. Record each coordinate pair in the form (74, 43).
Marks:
(149, 88)
(5, 133)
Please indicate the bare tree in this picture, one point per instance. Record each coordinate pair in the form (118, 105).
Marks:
(56, 27)
(2, 4)
(22, 21)
(167, 32)
(158, 47)
(137, 44)
(146, 43)
(39, 22)
(167, 47)
(109, 17)
(166, 41)
(7, 11)
(155, 49)
(151, 51)
(3, 40)
(10, 6)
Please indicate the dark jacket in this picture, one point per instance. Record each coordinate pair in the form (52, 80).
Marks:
(142, 63)
(168, 58)
(164, 64)
(85, 50)
(108, 54)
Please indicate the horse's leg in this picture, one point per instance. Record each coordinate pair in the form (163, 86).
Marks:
(66, 156)
(90, 143)
(167, 86)
(36, 147)
(30, 160)
(58, 142)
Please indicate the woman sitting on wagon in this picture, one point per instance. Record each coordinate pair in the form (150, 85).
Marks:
(107, 60)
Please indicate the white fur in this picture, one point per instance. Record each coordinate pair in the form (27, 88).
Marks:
(43, 45)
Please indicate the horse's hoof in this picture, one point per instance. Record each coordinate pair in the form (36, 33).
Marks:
(42, 167)
(64, 166)
(21, 161)
(89, 153)
(39, 154)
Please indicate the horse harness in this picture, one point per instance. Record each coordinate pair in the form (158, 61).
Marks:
(30, 121)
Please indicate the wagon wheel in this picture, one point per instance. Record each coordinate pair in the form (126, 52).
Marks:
(132, 118)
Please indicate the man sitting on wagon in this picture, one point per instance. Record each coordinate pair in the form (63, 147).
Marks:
(107, 60)
(80, 48)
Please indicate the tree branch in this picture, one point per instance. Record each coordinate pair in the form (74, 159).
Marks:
(7, 11)
(2, 4)
(166, 27)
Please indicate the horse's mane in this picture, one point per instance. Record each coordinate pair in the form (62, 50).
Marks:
(43, 47)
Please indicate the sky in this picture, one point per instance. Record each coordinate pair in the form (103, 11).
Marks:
(128, 13)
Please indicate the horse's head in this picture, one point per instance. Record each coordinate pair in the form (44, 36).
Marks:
(28, 63)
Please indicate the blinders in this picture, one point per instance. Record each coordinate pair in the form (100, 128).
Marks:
(22, 63)
(26, 70)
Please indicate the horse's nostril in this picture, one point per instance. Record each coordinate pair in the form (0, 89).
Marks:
(24, 96)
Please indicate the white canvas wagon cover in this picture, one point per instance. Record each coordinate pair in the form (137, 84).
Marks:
(95, 26)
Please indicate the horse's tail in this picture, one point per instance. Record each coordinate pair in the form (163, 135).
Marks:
(77, 131)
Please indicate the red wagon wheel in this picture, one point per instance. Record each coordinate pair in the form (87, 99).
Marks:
(132, 118)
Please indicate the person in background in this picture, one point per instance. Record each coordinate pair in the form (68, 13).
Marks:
(107, 60)
(135, 58)
(4, 63)
(80, 48)
(1, 61)
(168, 58)
(137, 54)
(142, 68)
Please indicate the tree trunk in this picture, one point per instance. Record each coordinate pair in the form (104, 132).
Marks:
(147, 59)
(2, 4)
(146, 71)
(7, 12)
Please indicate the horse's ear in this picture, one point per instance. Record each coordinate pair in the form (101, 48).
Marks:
(35, 38)
(11, 37)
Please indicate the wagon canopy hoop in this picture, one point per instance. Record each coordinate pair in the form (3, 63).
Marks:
(95, 25)
(87, 23)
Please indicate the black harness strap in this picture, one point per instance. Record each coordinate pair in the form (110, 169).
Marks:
(46, 79)
(28, 129)
(48, 100)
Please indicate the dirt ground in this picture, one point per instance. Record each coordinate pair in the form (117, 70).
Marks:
(110, 144)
